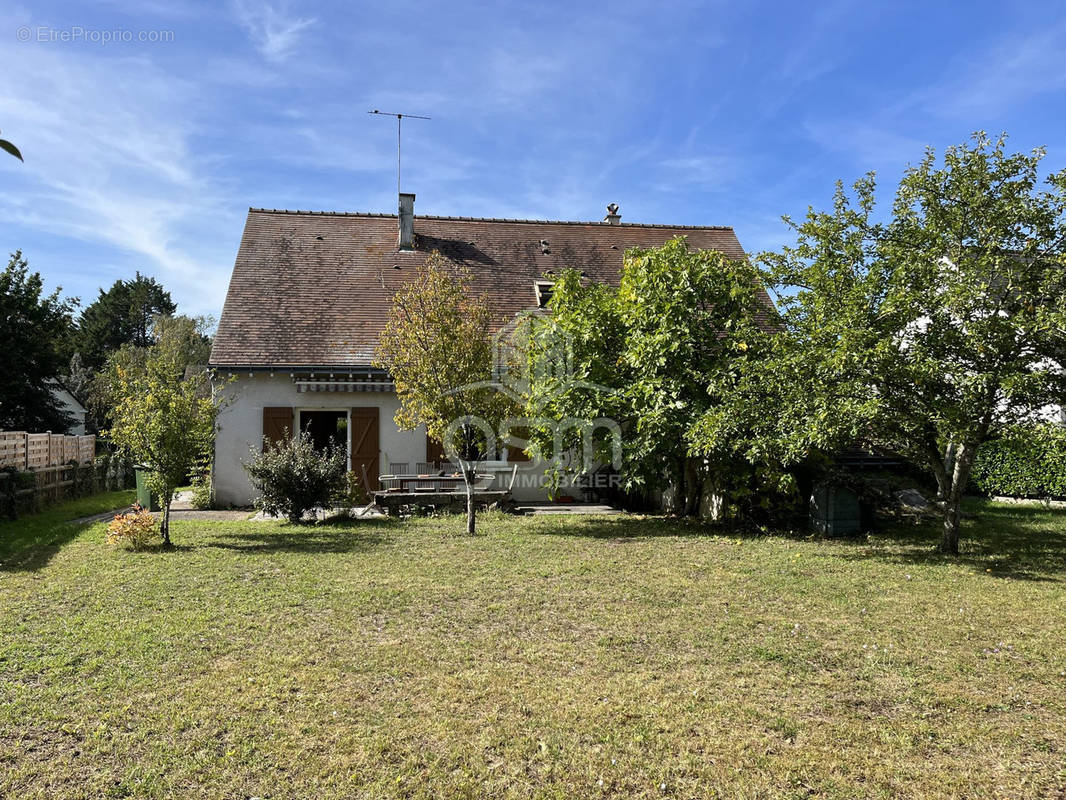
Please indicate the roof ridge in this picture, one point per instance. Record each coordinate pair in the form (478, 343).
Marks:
(371, 214)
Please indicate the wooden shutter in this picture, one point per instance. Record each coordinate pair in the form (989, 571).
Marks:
(434, 451)
(517, 454)
(277, 425)
(366, 446)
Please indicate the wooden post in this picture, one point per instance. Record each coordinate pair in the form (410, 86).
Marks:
(26, 455)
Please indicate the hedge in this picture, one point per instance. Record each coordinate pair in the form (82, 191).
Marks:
(1027, 461)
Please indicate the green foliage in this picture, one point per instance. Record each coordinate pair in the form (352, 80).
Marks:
(160, 415)
(437, 347)
(293, 477)
(203, 493)
(10, 148)
(1026, 461)
(33, 327)
(651, 355)
(188, 345)
(122, 315)
(928, 333)
(79, 379)
(354, 493)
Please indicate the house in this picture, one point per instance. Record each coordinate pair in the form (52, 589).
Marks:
(311, 291)
(69, 404)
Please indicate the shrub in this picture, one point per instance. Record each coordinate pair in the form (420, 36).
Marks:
(354, 493)
(203, 494)
(293, 477)
(134, 530)
(1028, 461)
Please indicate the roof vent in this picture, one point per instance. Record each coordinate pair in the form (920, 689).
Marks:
(613, 217)
(407, 221)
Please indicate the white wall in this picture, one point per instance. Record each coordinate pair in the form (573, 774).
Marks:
(241, 430)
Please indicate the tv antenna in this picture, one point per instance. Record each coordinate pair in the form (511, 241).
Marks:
(399, 136)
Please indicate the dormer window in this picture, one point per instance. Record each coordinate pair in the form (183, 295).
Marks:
(544, 292)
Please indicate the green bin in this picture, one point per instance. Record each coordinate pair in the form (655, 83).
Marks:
(145, 499)
(836, 511)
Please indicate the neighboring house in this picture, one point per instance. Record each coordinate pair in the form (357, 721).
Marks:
(72, 406)
(311, 291)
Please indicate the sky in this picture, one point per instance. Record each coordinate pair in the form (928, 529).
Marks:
(148, 128)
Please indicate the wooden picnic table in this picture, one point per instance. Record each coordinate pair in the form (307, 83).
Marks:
(406, 481)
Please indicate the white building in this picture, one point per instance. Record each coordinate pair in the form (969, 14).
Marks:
(311, 291)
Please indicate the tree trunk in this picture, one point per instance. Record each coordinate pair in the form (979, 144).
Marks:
(943, 482)
(164, 524)
(677, 503)
(693, 488)
(468, 478)
(963, 462)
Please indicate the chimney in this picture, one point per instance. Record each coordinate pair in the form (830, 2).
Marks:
(613, 217)
(407, 221)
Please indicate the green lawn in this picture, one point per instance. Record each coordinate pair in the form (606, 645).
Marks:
(549, 657)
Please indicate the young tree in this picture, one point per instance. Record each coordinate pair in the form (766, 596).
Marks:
(437, 347)
(162, 415)
(192, 348)
(33, 326)
(656, 343)
(124, 314)
(929, 332)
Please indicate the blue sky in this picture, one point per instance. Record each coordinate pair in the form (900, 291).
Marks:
(146, 155)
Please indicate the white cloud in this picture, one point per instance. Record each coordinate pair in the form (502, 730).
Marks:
(1015, 69)
(274, 32)
(710, 172)
(972, 92)
(874, 144)
(109, 161)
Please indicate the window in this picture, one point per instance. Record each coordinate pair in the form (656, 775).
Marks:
(544, 292)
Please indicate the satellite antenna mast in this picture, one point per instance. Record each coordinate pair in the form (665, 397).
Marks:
(399, 129)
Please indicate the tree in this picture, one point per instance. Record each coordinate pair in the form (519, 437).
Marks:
(79, 378)
(192, 348)
(163, 416)
(437, 347)
(929, 332)
(124, 314)
(644, 354)
(33, 326)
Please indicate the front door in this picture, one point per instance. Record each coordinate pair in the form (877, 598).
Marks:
(326, 429)
(365, 444)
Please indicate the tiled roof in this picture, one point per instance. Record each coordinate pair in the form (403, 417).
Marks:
(313, 289)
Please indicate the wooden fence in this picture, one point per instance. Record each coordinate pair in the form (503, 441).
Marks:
(36, 451)
(39, 469)
(29, 491)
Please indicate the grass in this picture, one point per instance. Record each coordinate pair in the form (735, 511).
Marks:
(30, 541)
(549, 657)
